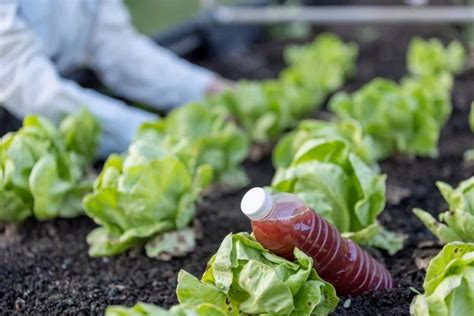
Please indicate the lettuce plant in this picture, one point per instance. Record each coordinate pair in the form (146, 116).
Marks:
(43, 168)
(151, 203)
(322, 65)
(266, 109)
(148, 196)
(338, 185)
(243, 278)
(197, 135)
(457, 223)
(403, 118)
(348, 131)
(449, 283)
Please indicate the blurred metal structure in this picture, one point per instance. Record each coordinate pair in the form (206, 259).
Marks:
(224, 29)
(343, 14)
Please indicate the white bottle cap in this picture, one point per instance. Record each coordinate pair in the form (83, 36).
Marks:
(256, 203)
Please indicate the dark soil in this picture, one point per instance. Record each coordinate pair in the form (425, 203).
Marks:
(47, 270)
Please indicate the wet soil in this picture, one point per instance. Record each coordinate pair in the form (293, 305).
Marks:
(47, 271)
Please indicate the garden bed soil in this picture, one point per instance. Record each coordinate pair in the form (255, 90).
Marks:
(46, 270)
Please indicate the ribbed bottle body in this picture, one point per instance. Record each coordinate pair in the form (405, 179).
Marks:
(337, 260)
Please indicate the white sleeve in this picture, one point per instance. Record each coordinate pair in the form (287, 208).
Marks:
(136, 68)
(29, 84)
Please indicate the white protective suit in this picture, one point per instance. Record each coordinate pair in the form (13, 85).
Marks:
(40, 39)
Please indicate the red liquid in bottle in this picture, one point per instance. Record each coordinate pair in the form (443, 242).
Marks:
(337, 260)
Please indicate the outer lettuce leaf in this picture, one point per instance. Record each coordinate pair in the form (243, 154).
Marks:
(339, 186)
(135, 204)
(449, 283)
(142, 309)
(265, 109)
(198, 136)
(457, 223)
(43, 170)
(348, 131)
(243, 278)
(80, 133)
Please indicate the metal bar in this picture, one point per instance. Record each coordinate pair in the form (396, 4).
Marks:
(343, 14)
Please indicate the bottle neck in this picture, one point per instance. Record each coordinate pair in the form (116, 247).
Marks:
(257, 204)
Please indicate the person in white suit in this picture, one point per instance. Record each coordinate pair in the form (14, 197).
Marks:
(42, 39)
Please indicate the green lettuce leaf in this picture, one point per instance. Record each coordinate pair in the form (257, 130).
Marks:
(449, 283)
(43, 169)
(52, 195)
(457, 223)
(136, 203)
(243, 278)
(339, 186)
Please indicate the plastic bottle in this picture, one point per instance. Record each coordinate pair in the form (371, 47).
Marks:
(281, 222)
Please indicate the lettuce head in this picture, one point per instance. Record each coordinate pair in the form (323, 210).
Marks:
(150, 203)
(449, 283)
